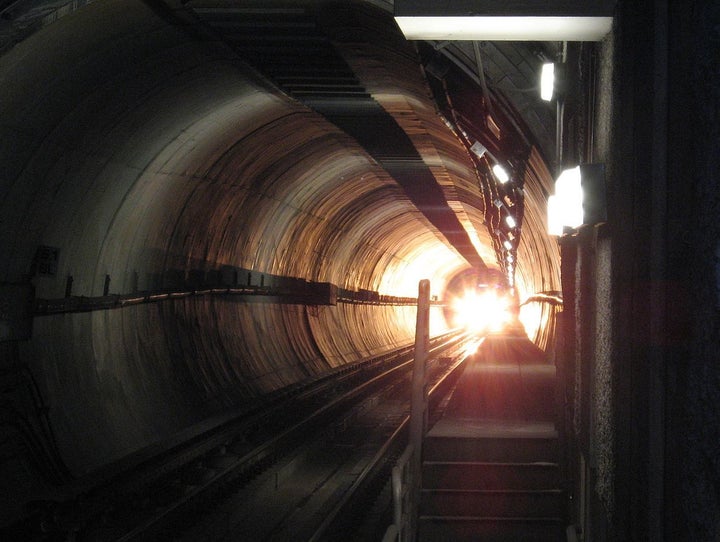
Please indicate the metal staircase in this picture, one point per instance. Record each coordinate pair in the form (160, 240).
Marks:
(491, 466)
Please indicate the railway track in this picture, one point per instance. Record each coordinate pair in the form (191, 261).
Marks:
(230, 479)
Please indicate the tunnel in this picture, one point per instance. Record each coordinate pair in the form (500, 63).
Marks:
(205, 203)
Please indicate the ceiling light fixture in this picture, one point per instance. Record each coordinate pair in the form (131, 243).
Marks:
(425, 26)
(479, 149)
(547, 81)
(500, 174)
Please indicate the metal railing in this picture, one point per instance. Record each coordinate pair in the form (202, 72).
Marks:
(404, 505)
(406, 473)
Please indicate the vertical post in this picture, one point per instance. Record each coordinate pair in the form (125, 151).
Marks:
(418, 412)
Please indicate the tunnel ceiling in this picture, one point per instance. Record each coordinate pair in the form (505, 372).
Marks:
(151, 145)
(413, 110)
(155, 151)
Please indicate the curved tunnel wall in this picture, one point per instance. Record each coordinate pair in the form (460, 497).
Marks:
(143, 153)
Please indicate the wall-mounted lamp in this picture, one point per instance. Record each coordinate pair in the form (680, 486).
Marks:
(500, 174)
(479, 149)
(552, 80)
(579, 198)
(506, 239)
(547, 81)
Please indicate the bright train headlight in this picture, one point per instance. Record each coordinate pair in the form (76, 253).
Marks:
(482, 311)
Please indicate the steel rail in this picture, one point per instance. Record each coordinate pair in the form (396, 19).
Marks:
(85, 504)
(327, 530)
(294, 433)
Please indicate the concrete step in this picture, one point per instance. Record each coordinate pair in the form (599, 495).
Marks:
(474, 529)
(492, 503)
(506, 391)
(470, 440)
(476, 475)
(491, 464)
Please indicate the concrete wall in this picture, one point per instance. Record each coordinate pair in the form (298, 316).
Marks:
(647, 392)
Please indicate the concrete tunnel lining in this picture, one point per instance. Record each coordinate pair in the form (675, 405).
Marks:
(129, 135)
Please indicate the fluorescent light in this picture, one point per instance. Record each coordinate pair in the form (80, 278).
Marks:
(508, 245)
(510, 221)
(555, 225)
(566, 207)
(568, 187)
(500, 174)
(579, 198)
(547, 81)
(498, 28)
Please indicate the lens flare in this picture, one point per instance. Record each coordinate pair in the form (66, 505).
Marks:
(531, 317)
(471, 348)
(481, 311)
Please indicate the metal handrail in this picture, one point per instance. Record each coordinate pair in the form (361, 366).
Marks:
(403, 496)
(407, 472)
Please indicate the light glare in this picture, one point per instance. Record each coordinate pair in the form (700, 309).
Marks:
(481, 311)
(471, 348)
(531, 317)
(547, 81)
(565, 208)
(500, 174)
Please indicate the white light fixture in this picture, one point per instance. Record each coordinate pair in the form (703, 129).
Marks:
(579, 198)
(554, 215)
(510, 221)
(553, 80)
(507, 244)
(478, 148)
(500, 174)
(568, 200)
(547, 81)
(499, 28)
